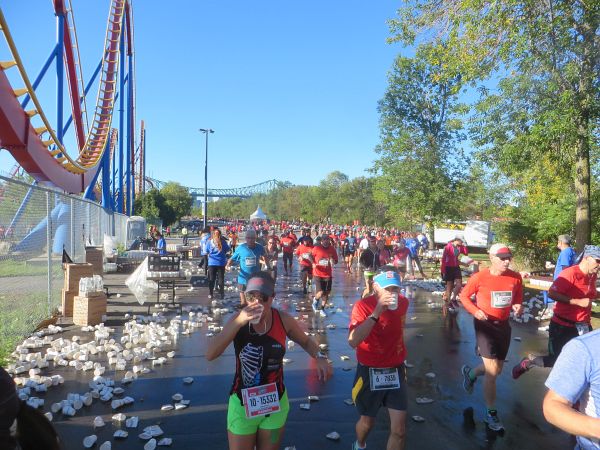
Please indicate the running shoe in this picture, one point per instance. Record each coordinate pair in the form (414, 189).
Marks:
(356, 447)
(451, 308)
(468, 384)
(493, 421)
(315, 305)
(209, 296)
(521, 368)
(323, 313)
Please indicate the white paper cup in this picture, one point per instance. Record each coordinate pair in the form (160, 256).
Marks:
(394, 305)
(255, 321)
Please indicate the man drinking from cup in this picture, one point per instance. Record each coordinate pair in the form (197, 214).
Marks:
(377, 334)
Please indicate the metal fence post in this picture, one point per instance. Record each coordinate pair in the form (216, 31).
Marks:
(49, 251)
(72, 230)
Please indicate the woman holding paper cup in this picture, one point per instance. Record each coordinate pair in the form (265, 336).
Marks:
(258, 402)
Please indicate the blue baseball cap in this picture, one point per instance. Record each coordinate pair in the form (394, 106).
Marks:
(388, 278)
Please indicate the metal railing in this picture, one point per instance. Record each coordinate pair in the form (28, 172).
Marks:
(36, 224)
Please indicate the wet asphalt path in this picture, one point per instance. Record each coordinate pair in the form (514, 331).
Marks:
(435, 344)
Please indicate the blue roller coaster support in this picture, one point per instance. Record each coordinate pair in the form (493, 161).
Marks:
(121, 198)
(130, 149)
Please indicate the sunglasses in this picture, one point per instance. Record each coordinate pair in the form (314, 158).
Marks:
(504, 258)
(252, 296)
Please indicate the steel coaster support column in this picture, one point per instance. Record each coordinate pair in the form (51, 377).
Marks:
(41, 75)
(60, 22)
(107, 199)
(49, 252)
(130, 146)
(143, 174)
(21, 209)
(120, 202)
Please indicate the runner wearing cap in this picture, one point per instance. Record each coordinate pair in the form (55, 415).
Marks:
(377, 334)
(258, 401)
(324, 256)
(497, 290)
(573, 290)
(249, 256)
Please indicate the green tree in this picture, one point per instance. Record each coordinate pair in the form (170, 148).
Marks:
(152, 205)
(179, 199)
(546, 56)
(420, 121)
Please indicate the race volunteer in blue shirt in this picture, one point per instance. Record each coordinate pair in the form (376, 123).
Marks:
(567, 255)
(161, 244)
(249, 256)
(575, 380)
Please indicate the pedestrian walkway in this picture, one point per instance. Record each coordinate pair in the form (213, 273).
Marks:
(437, 347)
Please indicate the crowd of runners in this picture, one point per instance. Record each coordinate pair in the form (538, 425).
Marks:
(258, 405)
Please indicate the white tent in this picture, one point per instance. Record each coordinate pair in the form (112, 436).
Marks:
(258, 214)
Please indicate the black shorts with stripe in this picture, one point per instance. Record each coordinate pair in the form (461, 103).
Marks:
(368, 402)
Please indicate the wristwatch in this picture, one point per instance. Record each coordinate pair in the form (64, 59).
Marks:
(375, 319)
(321, 355)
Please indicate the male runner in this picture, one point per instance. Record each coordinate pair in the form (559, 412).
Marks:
(573, 290)
(303, 252)
(324, 256)
(349, 245)
(497, 290)
(287, 243)
(377, 334)
(249, 256)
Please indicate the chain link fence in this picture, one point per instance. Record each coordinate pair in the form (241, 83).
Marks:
(36, 225)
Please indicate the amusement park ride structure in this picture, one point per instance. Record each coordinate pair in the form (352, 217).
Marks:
(38, 147)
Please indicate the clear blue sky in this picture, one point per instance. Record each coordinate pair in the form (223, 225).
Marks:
(290, 88)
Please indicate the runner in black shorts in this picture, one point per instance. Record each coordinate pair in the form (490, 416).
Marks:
(377, 334)
(498, 291)
(322, 285)
(368, 402)
(493, 338)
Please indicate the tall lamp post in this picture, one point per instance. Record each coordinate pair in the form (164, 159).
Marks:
(206, 131)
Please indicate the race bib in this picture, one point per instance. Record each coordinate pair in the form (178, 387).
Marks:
(324, 262)
(305, 255)
(582, 328)
(250, 261)
(286, 244)
(501, 299)
(261, 400)
(382, 379)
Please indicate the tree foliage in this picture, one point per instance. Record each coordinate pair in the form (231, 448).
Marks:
(337, 198)
(420, 122)
(168, 204)
(545, 56)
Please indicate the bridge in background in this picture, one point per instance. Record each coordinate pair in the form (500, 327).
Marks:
(241, 192)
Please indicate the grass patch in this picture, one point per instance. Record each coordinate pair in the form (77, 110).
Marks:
(19, 316)
(11, 268)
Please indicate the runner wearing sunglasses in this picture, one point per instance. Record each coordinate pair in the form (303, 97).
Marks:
(258, 401)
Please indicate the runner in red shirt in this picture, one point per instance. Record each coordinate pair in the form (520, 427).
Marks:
(324, 256)
(304, 254)
(377, 334)
(497, 291)
(400, 255)
(287, 243)
(573, 290)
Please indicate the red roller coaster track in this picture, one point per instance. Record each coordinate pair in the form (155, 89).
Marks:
(47, 160)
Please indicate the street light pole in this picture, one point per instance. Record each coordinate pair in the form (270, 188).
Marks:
(206, 131)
